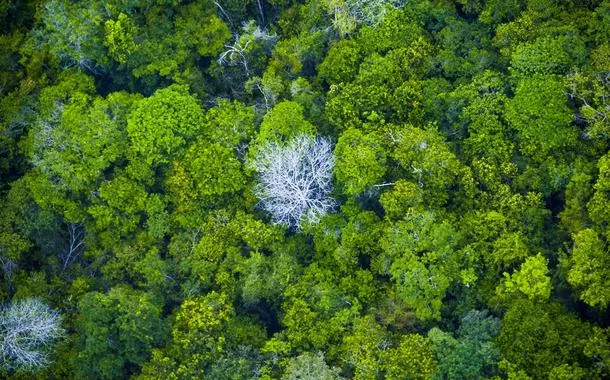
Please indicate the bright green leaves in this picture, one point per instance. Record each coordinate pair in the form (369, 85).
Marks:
(549, 55)
(427, 161)
(214, 168)
(117, 331)
(360, 161)
(205, 333)
(531, 279)
(160, 126)
(230, 123)
(590, 268)
(403, 196)
(284, 122)
(199, 322)
(540, 115)
(361, 350)
(600, 201)
(412, 358)
(420, 256)
(119, 38)
(341, 62)
(118, 208)
(309, 366)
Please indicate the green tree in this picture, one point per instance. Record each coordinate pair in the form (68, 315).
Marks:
(538, 337)
(360, 161)
(531, 279)
(589, 265)
(116, 332)
(412, 358)
(161, 125)
(541, 117)
(472, 353)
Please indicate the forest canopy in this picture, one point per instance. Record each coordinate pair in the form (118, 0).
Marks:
(305, 189)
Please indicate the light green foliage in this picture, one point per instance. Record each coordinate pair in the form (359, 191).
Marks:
(427, 161)
(362, 348)
(531, 279)
(540, 115)
(119, 205)
(161, 125)
(341, 62)
(284, 122)
(590, 268)
(548, 55)
(598, 204)
(578, 191)
(119, 38)
(230, 124)
(117, 331)
(401, 197)
(421, 258)
(360, 161)
(412, 358)
(309, 366)
(203, 334)
(214, 168)
(82, 139)
(350, 105)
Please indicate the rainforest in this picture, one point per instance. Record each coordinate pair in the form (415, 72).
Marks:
(305, 189)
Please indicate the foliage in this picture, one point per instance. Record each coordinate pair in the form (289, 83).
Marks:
(279, 189)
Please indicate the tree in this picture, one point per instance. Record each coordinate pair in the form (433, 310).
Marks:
(206, 338)
(531, 279)
(537, 337)
(116, 332)
(119, 38)
(310, 366)
(348, 14)
(412, 358)
(419, 253)
(28, 328)
(295, 180)
(159, 126)
(360, 160)
(470, 355)
(540, 115)
(589, 271)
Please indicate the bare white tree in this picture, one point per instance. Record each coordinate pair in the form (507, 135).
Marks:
(236, 54)
(295, 180)
(76, 244)
(348, 14)
(27, 328)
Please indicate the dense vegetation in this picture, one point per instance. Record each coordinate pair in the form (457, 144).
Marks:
(305, 189)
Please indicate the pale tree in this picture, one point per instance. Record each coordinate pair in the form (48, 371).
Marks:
(348, 14)
(310, 366)
(238, 53)
(295, 180)
(28, 328)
